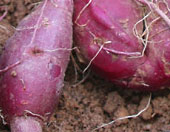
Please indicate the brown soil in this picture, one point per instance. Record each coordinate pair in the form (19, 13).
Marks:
(87, 105)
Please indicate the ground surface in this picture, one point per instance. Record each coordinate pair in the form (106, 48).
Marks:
(85, 106)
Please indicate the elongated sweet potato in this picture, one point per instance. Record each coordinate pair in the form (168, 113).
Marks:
(33, 65)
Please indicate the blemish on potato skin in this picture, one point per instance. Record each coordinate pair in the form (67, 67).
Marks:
(124, 23)
(166, 65)
(13, 73)
(36, 51)
(54, 69)
(45, 22)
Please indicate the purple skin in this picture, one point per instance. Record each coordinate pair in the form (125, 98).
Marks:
(114, 21)
(39, 50)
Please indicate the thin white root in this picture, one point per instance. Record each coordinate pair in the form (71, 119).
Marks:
(36, 3)
(79, 15)
(126, 117)
(75, 64)
(4, 28)
(135, 31)
(4, 14)
(145, 40)
(2, 117)
(132, 54)
(76, 67)
(61, 49)
(33, 114)
(23, 83)
(81, 81)
(152, 22)
(140, 37)
(27, 28)
(101, 47)
(122, 53)
(9, 67)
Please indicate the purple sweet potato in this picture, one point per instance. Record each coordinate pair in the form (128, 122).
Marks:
(126, 42)
(33, 65)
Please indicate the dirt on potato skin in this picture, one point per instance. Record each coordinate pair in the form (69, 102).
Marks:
(96, 101)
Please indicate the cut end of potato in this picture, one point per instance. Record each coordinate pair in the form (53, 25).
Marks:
(25, 124)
